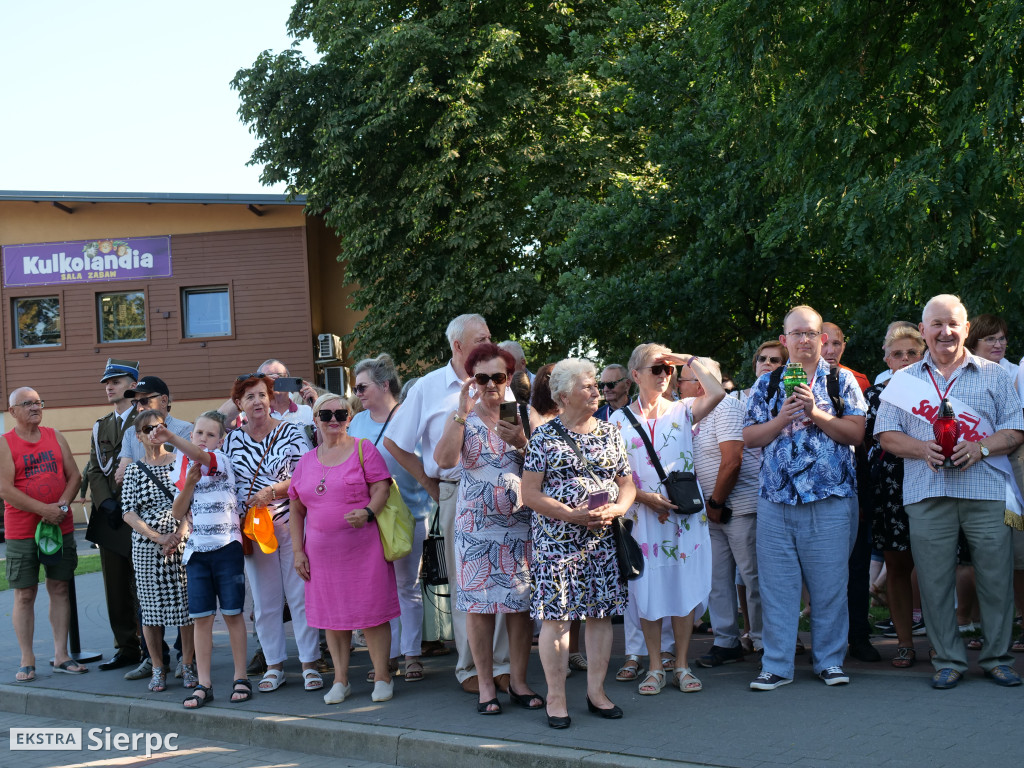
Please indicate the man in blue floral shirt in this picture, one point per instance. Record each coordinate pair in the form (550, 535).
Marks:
(807, 510)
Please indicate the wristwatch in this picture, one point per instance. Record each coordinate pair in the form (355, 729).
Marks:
(714, 504)
(984, 451)
(369, 514)
(64, 508)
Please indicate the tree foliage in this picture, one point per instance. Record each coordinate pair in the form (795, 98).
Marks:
(593, 175)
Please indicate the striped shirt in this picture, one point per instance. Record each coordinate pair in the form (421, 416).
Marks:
(723, 424)
(245, 455)
(986, 388)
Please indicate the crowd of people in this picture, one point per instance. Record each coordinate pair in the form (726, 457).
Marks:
(750, 505)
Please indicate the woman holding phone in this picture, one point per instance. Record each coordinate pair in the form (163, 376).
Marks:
(677, 549)
(492, 527)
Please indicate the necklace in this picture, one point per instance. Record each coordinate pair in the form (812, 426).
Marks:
(321, 489)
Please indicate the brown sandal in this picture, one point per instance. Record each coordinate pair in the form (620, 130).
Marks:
(904, 658)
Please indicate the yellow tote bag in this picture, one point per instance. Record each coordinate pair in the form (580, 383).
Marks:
(394, 523)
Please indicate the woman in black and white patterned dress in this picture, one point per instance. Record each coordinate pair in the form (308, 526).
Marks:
(158, 542)
(575, 573)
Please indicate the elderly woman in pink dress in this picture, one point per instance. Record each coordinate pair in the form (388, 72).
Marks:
(337, 489)
(492, 527)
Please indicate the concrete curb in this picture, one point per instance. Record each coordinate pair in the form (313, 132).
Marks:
(373, 743)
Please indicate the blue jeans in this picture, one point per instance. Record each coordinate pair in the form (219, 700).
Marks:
(807, 543)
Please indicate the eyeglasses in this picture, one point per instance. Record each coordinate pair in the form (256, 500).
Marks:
(610, 384)
(144, 400)
(245, 376)
(340, 415)
(908, 355)
(497, 378)
(804, 335)
(687, 381)
(149, 428)
(360, 388)
(994, 339)
(30, 403)
(661, 369)
(769, 359)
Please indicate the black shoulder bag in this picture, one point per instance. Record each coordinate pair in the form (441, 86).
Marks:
(681, 488)
(627, 550)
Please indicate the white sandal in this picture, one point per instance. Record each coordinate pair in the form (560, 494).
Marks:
(272, 680)
(653, 683)
(693, 686)
(627, 673)
(311, 680)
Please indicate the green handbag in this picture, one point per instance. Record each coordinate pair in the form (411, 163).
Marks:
(394, 522)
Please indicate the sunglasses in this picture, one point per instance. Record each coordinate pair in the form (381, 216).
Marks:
(144, 400)
(360, 388)
(497, 378)
(767, 359)
(610, 384)
(246, 376)
(661, 369)
(150, 427)
(340, 415)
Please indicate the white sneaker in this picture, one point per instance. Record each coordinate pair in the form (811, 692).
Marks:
(383, 691)
(338, 693)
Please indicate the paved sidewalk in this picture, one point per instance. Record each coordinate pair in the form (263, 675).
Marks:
(885, 717)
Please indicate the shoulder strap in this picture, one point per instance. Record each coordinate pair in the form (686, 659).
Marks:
(359, 446)
(156, 480)
(260, 465)
(655, 461)
(774, 378)
(832, 385)
(575, 448)
(381, 434)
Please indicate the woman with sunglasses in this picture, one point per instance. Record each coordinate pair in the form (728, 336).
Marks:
(492, 527)
(377, 387)
(769, 356)
(677, 550)
(158, 543)
(337, 490)
(263, 454)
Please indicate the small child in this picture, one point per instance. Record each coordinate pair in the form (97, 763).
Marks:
(213, 553)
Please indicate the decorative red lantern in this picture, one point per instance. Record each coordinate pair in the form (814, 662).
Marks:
(947, 432)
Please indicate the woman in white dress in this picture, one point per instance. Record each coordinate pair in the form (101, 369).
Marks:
(677, 549)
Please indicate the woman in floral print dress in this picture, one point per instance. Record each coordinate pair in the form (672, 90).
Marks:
(677, 549)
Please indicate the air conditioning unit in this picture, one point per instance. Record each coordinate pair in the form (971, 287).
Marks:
(329, 347)
(336, 379)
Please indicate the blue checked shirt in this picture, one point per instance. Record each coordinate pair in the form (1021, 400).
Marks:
(803, 464)
(985, 387)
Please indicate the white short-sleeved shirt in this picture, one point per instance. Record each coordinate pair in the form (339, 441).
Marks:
(422, 418)
(725, 423)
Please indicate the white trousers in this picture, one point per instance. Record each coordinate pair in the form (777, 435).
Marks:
(272, 578)
(407, 629)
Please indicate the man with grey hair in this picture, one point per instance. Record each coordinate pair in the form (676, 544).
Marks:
(515, 349)
(730, 486)
(38, 480)
(614, 384)
(421, 421)
(977, 494)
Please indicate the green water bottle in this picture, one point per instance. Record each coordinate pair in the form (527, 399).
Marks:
(794, 377)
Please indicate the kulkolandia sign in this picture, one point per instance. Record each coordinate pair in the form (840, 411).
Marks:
(87, 261)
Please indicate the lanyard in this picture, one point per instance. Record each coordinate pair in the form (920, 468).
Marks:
(942, 395)
(650, 427)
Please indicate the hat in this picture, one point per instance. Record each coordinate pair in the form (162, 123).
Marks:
(149, 385)
(49, 542)
(259, 526)
(120, 368)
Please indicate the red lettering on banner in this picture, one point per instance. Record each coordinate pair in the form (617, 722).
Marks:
(968, 423)
(927, 410)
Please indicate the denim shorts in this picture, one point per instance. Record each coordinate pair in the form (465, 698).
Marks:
(216, 576)
(22, 566)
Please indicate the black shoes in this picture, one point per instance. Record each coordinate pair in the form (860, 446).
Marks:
(863, 650)
(559, 722)
(121, 659)
(613, 712)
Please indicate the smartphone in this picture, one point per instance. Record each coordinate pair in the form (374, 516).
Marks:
(507, 412)
(287, 384)
(598, 499)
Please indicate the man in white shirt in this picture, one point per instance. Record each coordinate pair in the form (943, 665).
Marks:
(421, 419)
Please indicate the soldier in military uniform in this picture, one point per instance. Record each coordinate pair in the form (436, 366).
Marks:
(106, 528)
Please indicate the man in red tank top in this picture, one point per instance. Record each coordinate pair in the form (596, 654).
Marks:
(38, 479)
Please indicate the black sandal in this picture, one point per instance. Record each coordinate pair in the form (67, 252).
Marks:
(524, 699)
(201, 701)
(245, 690)
(482, 707)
